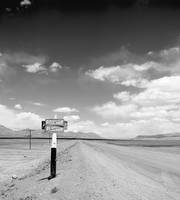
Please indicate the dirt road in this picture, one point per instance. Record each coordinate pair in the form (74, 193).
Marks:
(95, 171)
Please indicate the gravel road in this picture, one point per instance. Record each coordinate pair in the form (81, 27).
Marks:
(99, 171)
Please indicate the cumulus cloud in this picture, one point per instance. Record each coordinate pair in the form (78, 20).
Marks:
(34, 68)
(129, 74)
(114, 74)
(122, 96)
(27, 120)
(11, 119)
(54, 67)
(165, 55)
(152, 105)
(154, 65)
(25, 3)
(18, 106)
(167, 60)
(129, 129)
(139, 83)
(11, 62)
(65, 110)
(160, 112)
(160, 100)
(113, 110)
(37, 104)
(160, 92)
(86, 126)
(39, 67)
(72, 118)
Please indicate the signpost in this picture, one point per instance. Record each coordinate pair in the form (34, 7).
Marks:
(53, 156)
(54, 126)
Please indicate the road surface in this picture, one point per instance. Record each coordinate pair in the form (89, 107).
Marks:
(99, 171)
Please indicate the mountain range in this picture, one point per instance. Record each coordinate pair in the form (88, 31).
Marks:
(173, 136)
(6, 132)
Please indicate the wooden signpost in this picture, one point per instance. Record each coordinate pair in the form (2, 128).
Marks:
(54, 126)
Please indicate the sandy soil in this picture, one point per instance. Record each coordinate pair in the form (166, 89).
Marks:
(97, 171)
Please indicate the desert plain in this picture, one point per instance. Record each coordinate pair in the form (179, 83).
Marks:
(90, 170)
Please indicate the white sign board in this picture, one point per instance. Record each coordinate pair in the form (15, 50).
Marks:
(54, 128)
(55, 122)
(54, 125)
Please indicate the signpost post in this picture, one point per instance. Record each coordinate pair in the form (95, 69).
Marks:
(54, 126)
(53, 156)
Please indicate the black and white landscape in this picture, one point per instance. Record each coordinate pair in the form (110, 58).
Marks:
(111, 69)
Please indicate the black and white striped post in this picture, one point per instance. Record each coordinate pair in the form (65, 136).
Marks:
(54, 126)
(53, 156)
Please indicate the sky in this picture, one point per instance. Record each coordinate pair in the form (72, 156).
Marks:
(109, 67)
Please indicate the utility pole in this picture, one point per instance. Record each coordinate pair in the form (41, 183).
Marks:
(30, 139)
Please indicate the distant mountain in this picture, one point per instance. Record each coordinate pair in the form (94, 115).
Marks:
(40, 133)
(174, 136)
(78, 135)
(6, 132)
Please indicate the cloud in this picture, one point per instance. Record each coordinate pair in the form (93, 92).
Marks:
(54, 67)
(72, 118)
(18, 106)
(119, 57)
(161, 99)
(65, 110)
(138, 73)
(160, 112)
(160, 92)
(114, 74)
(86, 126)
(11, 62)
(37, 104)
(122, 96)
(34, 68)
(38, 67)
(138, 127)
(165, 55)
(11, 119)
(128, 74)
(139, 83)
(111, 110)
(126, 129)
(167, 60)
(25, 3)
(12, 98)
(21, 58)
(27, 120)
